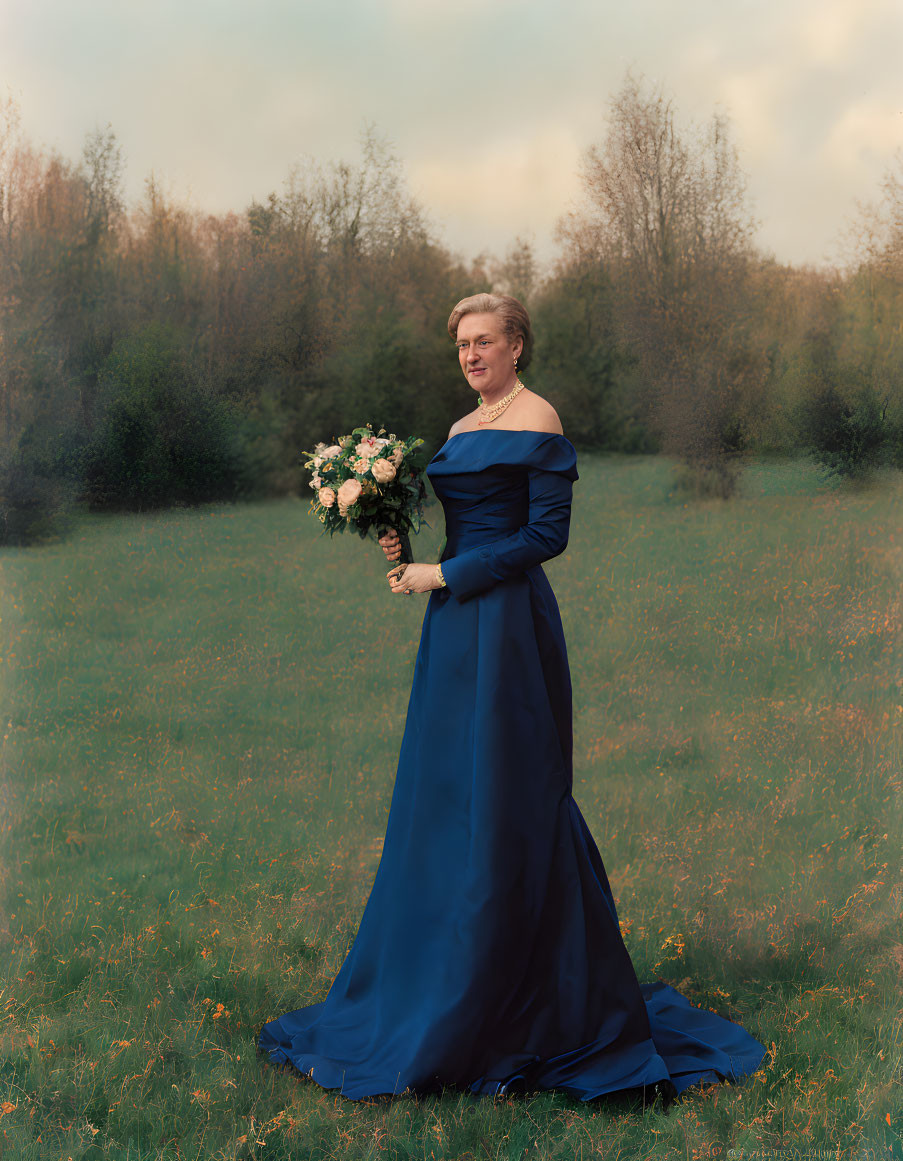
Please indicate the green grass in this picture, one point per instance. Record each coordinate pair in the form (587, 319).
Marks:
(201, 719)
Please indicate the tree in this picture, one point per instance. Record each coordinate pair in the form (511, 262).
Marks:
(665, 213)
(102, 159)
(516, 274)
(869, 346)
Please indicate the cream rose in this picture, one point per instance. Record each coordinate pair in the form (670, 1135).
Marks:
(329, 453)
(360, 465)
(397, 457)
(347, 494)
(383, 471)
(326, 497)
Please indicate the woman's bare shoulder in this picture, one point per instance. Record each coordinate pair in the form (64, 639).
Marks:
(466, 423)
(529, 411)
(537, 413)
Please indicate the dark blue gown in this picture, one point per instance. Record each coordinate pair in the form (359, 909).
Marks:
(489, 955)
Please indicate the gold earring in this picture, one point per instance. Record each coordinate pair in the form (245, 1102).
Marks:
(515, 362)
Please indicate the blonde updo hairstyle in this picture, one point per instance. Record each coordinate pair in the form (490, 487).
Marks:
(513, 315)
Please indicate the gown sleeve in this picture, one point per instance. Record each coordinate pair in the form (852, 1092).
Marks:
(544, 536)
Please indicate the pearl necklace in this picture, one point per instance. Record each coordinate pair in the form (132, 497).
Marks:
(487, 414)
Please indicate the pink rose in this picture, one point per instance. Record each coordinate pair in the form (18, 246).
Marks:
(360, 465)
(348, 493)
(383, 471)
(370, 446)
(326, 497)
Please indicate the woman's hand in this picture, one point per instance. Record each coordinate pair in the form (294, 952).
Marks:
(418, 578)
(390, 544)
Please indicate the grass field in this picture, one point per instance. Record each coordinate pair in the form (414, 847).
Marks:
(202, 712)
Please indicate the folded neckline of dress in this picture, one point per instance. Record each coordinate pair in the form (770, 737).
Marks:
(508, 431)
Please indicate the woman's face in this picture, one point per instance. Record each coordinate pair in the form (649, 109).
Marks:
(486, 354)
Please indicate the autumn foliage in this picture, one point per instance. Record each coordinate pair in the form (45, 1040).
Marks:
(155, 354)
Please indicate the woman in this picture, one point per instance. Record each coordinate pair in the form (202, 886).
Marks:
(489, 955)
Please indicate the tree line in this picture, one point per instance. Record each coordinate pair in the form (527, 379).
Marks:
(155, 354)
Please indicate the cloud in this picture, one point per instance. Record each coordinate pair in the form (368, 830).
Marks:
(490, 105)
(866, 132)
(825, 31)
(495, 188)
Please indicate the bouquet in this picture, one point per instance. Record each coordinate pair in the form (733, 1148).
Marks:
(365, 481)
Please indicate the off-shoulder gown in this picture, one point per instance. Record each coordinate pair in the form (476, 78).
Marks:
(489, 956)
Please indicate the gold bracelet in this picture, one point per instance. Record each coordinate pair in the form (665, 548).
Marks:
(440, 576)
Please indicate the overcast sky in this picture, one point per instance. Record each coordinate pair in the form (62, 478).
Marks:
(489, 103)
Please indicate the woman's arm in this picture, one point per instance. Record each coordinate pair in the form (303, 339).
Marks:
(544, 536)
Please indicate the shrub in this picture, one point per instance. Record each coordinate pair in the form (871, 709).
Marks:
(895, 441)
(161, 437)
(706, 477)
(848, 438)
(33, 504)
